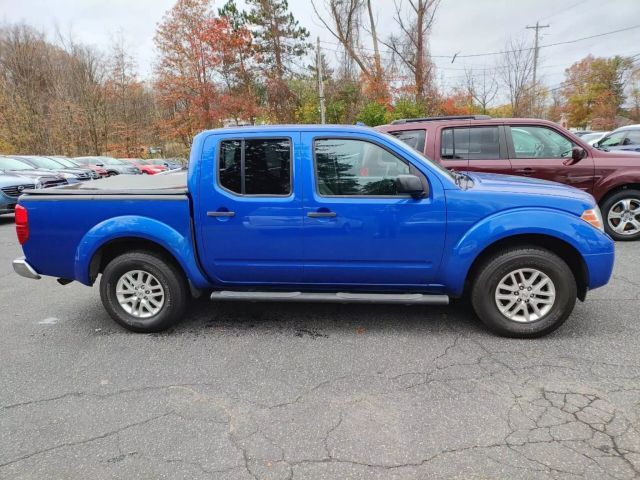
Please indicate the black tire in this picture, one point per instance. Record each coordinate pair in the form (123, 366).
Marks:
(168, 275)
(495, 268)
(611, 202)
(112, 174)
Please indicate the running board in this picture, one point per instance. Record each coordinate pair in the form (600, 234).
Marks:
(338, 297)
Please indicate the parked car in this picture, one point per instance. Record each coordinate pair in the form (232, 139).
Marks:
(580, 133)
(354, 216)
(145, 166)
(593, 137)
(11, 187)
(621, 139)
(113, 166)
(169, 163)
(41, 178)
(537, 149)
(90, 162)
(72, 175)
(95, 172)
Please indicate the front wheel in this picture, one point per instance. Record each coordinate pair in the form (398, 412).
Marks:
(621, 213)
(524, 292)
(143, 291)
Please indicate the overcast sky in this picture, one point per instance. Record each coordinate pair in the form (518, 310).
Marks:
(464, 26)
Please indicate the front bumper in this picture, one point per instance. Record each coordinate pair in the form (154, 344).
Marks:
(22, 268)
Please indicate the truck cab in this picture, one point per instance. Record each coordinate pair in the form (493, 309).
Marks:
(320, 213)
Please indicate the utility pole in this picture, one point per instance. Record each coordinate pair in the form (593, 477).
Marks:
(535, 49)
(320, 83)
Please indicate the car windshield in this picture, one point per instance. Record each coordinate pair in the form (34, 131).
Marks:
(110, 161)
(7, 163)
(139, 161)
(66, 162)
(43, 162)
(612, 140)
(156, 162)
(424, 158)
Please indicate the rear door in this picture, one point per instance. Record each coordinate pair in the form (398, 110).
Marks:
(480, 148)
(540, 151)
(249, 208)
(358, 230)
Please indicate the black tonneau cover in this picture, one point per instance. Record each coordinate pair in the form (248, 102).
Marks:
(174, 183)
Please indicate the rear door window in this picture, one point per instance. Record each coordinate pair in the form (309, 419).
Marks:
(257, 166)
(470, 143)
(416, 139)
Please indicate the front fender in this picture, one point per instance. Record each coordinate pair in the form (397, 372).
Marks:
(619, 178)
(129, 226)
(522, 221)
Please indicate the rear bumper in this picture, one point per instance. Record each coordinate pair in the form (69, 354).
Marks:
(22, 268)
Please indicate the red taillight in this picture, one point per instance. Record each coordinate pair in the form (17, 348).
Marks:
(22, 224)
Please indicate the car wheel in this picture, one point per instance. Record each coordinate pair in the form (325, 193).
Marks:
(524, 292)
(143, 291)
(112, 174)
(621, 212)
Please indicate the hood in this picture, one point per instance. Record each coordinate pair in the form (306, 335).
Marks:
(628, 156)
(33, 173)
(491, 182)
(11, 179)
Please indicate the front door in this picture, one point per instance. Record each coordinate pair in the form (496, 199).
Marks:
(358, 230)
(249, 209)
(543, 152)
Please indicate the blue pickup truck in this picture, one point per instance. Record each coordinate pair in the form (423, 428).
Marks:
(319, 213)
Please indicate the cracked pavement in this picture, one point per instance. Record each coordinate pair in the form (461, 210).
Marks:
(310, 391)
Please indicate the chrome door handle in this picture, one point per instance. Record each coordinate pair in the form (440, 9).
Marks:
(321, 214)
(221, 214)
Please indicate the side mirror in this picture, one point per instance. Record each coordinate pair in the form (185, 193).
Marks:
(577, 154)
(410, 184)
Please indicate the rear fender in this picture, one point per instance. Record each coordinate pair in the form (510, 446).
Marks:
(523, 221)
(128, 226)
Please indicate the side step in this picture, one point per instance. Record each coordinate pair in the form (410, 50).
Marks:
(330, 297)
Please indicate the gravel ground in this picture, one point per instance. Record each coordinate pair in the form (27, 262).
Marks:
(308, 391)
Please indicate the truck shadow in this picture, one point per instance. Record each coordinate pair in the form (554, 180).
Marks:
(321, 320)
(6, 219)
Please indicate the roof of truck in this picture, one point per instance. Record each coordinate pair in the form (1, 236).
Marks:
(295, 128)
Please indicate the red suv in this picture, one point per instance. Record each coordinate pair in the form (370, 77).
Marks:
(532, 148)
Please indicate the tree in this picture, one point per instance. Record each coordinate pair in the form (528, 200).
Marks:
(482, 88)
(344, 24)
(411, 47)
(516, 73)
(280, 41)
(373, 114)
(594, 89)
(184, 72)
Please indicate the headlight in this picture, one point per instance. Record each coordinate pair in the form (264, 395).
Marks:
(594, 217)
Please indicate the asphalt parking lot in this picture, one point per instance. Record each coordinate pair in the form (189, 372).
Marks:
(276, 391)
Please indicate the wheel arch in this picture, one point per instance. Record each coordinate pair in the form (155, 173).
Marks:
(619, 188)
(561, 248)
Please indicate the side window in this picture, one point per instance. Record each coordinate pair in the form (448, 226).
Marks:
(256, 166)
(539, 142)
(633, 136)
(414, 138)
(474, 143)
(354, 167)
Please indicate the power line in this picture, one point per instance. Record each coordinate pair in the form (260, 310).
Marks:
(501, 52)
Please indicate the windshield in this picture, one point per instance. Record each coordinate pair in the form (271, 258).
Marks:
(43, 162)
(110, 161)
(13, 164)
(612, 140)
(66, 162)
(425, 159)
(156, 162)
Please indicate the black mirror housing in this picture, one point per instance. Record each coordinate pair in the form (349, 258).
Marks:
(410, 184)
(577, 154)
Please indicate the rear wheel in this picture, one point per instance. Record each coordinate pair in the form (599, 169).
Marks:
(524, 292)
(621, 212)
(143, 292)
